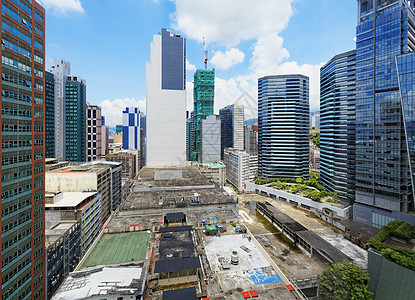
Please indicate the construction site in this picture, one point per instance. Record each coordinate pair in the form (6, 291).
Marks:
(217, 261)
(203, 106)
(191, 239)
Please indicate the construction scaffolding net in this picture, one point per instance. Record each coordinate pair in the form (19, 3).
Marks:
(203, 100)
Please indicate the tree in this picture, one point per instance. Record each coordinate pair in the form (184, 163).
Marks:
(344, 281)
(299, 180)
(277, 184)
(315, 195)
(313, 179)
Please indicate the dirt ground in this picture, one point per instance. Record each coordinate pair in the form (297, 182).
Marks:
(296, 264)
(292, 262)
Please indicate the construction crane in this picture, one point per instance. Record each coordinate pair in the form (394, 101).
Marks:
(206, 53)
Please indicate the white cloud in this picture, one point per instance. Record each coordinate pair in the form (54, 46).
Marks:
(249, 82)
(227, 23)
(227, 59)
(64, 6)
(232, 21)
(189, 66)
(226, 92)
(112, 110)
(268, 53)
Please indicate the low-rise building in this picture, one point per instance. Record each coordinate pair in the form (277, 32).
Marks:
(178, 263)
(251, 139)
(126, 185)
(74, 206)
(315, 158)
(240, 167)
(129, 160)
(85, 177)
(117, 139)
(215, 172)
(53, 164)
(111, 283)
(116, 178)
(63, 252)
(114, 147)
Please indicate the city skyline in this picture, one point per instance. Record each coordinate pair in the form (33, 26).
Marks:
(224, 179)
(239, 56)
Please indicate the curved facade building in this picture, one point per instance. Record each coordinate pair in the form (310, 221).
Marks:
(283, 126)
(385, 41)
(338, 125)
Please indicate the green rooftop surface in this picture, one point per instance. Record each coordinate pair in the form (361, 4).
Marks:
(213, 166)
(118, 248)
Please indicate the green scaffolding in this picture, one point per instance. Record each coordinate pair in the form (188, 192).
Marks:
(203, 97)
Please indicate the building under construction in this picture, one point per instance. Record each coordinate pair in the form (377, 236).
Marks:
(203, 95)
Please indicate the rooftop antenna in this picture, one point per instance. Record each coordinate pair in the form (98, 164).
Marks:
(206, 53)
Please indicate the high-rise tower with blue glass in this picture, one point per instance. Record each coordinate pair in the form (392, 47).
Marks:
(338, 125)
(385, 40)
(283, 126)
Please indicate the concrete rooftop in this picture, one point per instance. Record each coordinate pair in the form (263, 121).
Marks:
(252, 273)
(101, 282)
(190, 176)
(71, 199)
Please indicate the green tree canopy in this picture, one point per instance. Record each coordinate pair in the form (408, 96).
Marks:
(344, 281)
(315, 195)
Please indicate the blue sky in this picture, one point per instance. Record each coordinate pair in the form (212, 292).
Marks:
(107, 42)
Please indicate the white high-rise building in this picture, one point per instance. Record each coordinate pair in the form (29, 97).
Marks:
(61, 70)
(240, 167)
(210, 150)
(238, 127)
(166, 101)
(232, 127)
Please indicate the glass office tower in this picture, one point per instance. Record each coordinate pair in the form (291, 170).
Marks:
(49, 115)
(283, 126)
(384, 189)
(22, 150)
(75, 119)
(338, 125)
